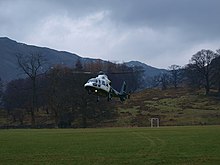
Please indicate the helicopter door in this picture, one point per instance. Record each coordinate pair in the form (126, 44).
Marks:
(99, 83)
(105, 86)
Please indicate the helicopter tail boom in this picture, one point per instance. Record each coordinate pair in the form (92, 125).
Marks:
(123, 88)
(123, 95)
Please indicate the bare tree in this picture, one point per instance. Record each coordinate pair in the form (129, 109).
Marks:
(32, 66)
(193, 78)
(202, 61)
(161, 80)
(175, 74)
(78, 65)
(17, 98)
(164, 80)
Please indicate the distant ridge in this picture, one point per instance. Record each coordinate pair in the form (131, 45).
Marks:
(10, 48)
(149, 70)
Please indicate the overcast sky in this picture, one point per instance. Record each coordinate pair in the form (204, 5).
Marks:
(157, 32)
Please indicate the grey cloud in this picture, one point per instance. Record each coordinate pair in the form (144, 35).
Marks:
(144, 29)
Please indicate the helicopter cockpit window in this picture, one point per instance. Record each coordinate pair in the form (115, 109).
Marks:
(93, 80)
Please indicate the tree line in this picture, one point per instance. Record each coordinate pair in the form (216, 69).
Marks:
(57, 95)
(54, 96)
(202, 72)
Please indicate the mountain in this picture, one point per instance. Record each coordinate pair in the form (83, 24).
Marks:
(148, 72)
(9, 49)
(9, 68)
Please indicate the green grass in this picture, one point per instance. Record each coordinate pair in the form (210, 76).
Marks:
(199, 145)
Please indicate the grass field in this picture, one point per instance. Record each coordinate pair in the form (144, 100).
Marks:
(165, 145)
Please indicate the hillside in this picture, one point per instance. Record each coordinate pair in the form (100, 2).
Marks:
(172, 107)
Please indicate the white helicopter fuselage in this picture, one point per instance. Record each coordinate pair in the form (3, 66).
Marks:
(100, 84)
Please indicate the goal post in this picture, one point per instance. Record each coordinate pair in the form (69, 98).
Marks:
(154, 122)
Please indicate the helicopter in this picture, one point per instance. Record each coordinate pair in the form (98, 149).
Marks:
(101, 86)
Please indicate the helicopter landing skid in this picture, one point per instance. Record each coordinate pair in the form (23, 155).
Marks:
(98, 99)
